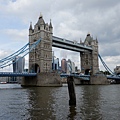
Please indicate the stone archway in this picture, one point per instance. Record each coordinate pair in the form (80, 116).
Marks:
(35, 68)
(87, 72)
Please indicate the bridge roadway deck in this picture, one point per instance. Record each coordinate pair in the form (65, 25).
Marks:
(84, 77)
(69, 45)
(115, 77)
(87, 77)
(11, 74)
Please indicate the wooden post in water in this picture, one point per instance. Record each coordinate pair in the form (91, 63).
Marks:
(71, 89)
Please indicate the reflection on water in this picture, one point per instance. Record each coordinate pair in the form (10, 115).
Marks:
(98, 102)
(40, 101)
(91, 103)
(72, 112)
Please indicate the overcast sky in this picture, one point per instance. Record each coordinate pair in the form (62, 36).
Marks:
(71, 19)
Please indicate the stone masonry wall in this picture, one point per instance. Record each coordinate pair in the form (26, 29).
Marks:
(98, 80)
(43, 79)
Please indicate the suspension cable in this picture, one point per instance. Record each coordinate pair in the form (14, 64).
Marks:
(7, 61)
(14, 54)
(106, 67)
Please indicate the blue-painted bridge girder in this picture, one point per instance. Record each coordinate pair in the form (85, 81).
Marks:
(87, 77)
(9, 60)
(11, 74)
(114, 77)
(84, 77)
(69, 45)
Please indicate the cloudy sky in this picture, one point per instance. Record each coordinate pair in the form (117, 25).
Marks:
(71, 19)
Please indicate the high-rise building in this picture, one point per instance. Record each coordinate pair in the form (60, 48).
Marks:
(73, 67)
(63, 65)
(55, 63)
(70, 66)
(18, 64)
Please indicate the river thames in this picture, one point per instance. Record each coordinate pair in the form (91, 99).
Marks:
(93, 102)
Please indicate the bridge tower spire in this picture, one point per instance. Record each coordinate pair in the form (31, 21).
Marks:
(50, 27)
(40, 59)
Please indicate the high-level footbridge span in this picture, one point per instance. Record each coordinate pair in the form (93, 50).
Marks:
(69, 45)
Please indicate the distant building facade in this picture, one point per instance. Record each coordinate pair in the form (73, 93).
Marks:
(64, 65)
(70, 66)
(67, 66)
(55, 63)
(18, 64)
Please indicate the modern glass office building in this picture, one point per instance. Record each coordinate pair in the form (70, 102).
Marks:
(18, 64)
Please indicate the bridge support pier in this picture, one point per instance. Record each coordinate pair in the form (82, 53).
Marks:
(71, 89)
(43, 79)
(98, 80)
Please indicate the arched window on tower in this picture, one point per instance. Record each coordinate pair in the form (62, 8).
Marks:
(35, 40)
(46, 67)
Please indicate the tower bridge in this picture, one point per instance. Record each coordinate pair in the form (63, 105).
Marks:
(40, 56)
(40, 59)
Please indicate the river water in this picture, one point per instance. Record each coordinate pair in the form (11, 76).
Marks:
(94, 102)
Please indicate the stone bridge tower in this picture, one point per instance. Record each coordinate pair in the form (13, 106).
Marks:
(40, 59)
(89, 60)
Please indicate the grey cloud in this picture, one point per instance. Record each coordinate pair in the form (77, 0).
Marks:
(110, 49)
(4, 53)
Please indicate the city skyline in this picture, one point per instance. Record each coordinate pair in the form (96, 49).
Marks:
(70, 19)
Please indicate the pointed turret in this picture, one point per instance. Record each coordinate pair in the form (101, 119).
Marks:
(50, 26)
(30, 28)
(96, 40)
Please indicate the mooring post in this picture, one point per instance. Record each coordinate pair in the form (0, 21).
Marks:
(71, 89)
